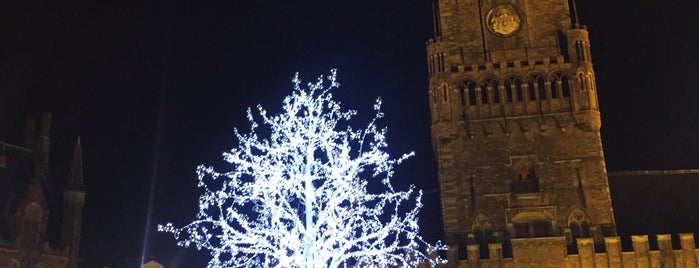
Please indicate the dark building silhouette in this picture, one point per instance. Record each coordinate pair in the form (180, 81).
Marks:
(24, 206)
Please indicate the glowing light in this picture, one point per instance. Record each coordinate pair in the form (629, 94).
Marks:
(299, 198)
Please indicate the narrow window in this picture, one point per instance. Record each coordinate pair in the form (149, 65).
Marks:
(444, 92)
(532, 88)
(484, 94)
(518, 90)
(483, 237)
(565, 86)
(496, 93)
(508, 90)
(554, 88)
(542, 88)
(472, 93)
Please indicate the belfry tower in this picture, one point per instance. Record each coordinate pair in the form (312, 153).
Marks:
(516, 123)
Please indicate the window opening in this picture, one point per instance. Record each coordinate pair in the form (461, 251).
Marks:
(565, 86)
(526, 182)
(509, 90)
(554, 88)
(444, 92)
(537, 228)
(471, 93)
(541, 85)
(496, 94)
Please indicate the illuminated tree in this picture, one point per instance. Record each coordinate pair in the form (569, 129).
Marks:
(299, 197)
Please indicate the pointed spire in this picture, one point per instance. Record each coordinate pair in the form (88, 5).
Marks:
(576, 23)
(75, 176)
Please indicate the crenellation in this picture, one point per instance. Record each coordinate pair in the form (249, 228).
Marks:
(530, 253)
(641, 250)
(689, 253)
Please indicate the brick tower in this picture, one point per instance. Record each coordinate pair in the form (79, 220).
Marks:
(516, 123)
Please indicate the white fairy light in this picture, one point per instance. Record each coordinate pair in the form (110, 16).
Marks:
(298, 197)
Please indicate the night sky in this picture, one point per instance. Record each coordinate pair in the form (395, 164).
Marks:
(155, 88)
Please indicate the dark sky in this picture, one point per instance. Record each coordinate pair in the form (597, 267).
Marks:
(155, 88)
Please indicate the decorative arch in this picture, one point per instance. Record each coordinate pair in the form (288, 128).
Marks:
(560, 83)
(489, 85)
(467, 92)
(513, 89)
(533, 82)
(537, 86)
(481, 222)
(579, 224)
(482, 233)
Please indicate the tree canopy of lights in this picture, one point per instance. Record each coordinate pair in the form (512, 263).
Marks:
(299, 196)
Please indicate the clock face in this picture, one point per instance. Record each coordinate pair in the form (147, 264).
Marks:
(504, 20)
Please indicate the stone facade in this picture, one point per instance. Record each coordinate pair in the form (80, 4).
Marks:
(516, 132)
(516, 124)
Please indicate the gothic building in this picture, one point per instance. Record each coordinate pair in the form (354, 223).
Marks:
(516, 132)
(24, 205)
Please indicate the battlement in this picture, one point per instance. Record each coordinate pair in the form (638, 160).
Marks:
(552, 252)
(440, 62)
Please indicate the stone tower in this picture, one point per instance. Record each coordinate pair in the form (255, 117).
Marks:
(73, 203)
(516, 123)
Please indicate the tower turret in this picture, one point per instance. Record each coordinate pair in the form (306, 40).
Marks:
(73, 203)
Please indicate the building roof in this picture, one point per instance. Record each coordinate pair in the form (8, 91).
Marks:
(655, 201)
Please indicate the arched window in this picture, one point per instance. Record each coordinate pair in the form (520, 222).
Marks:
(565, 86)
(560, 82)
(467, 92)
(483, 233)
(513, 87)
(537, 87)
(509, 95)
(541, 86)
(488, 86)
(471, 86)
(496, 94)
(579, 224)
(484, 93)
